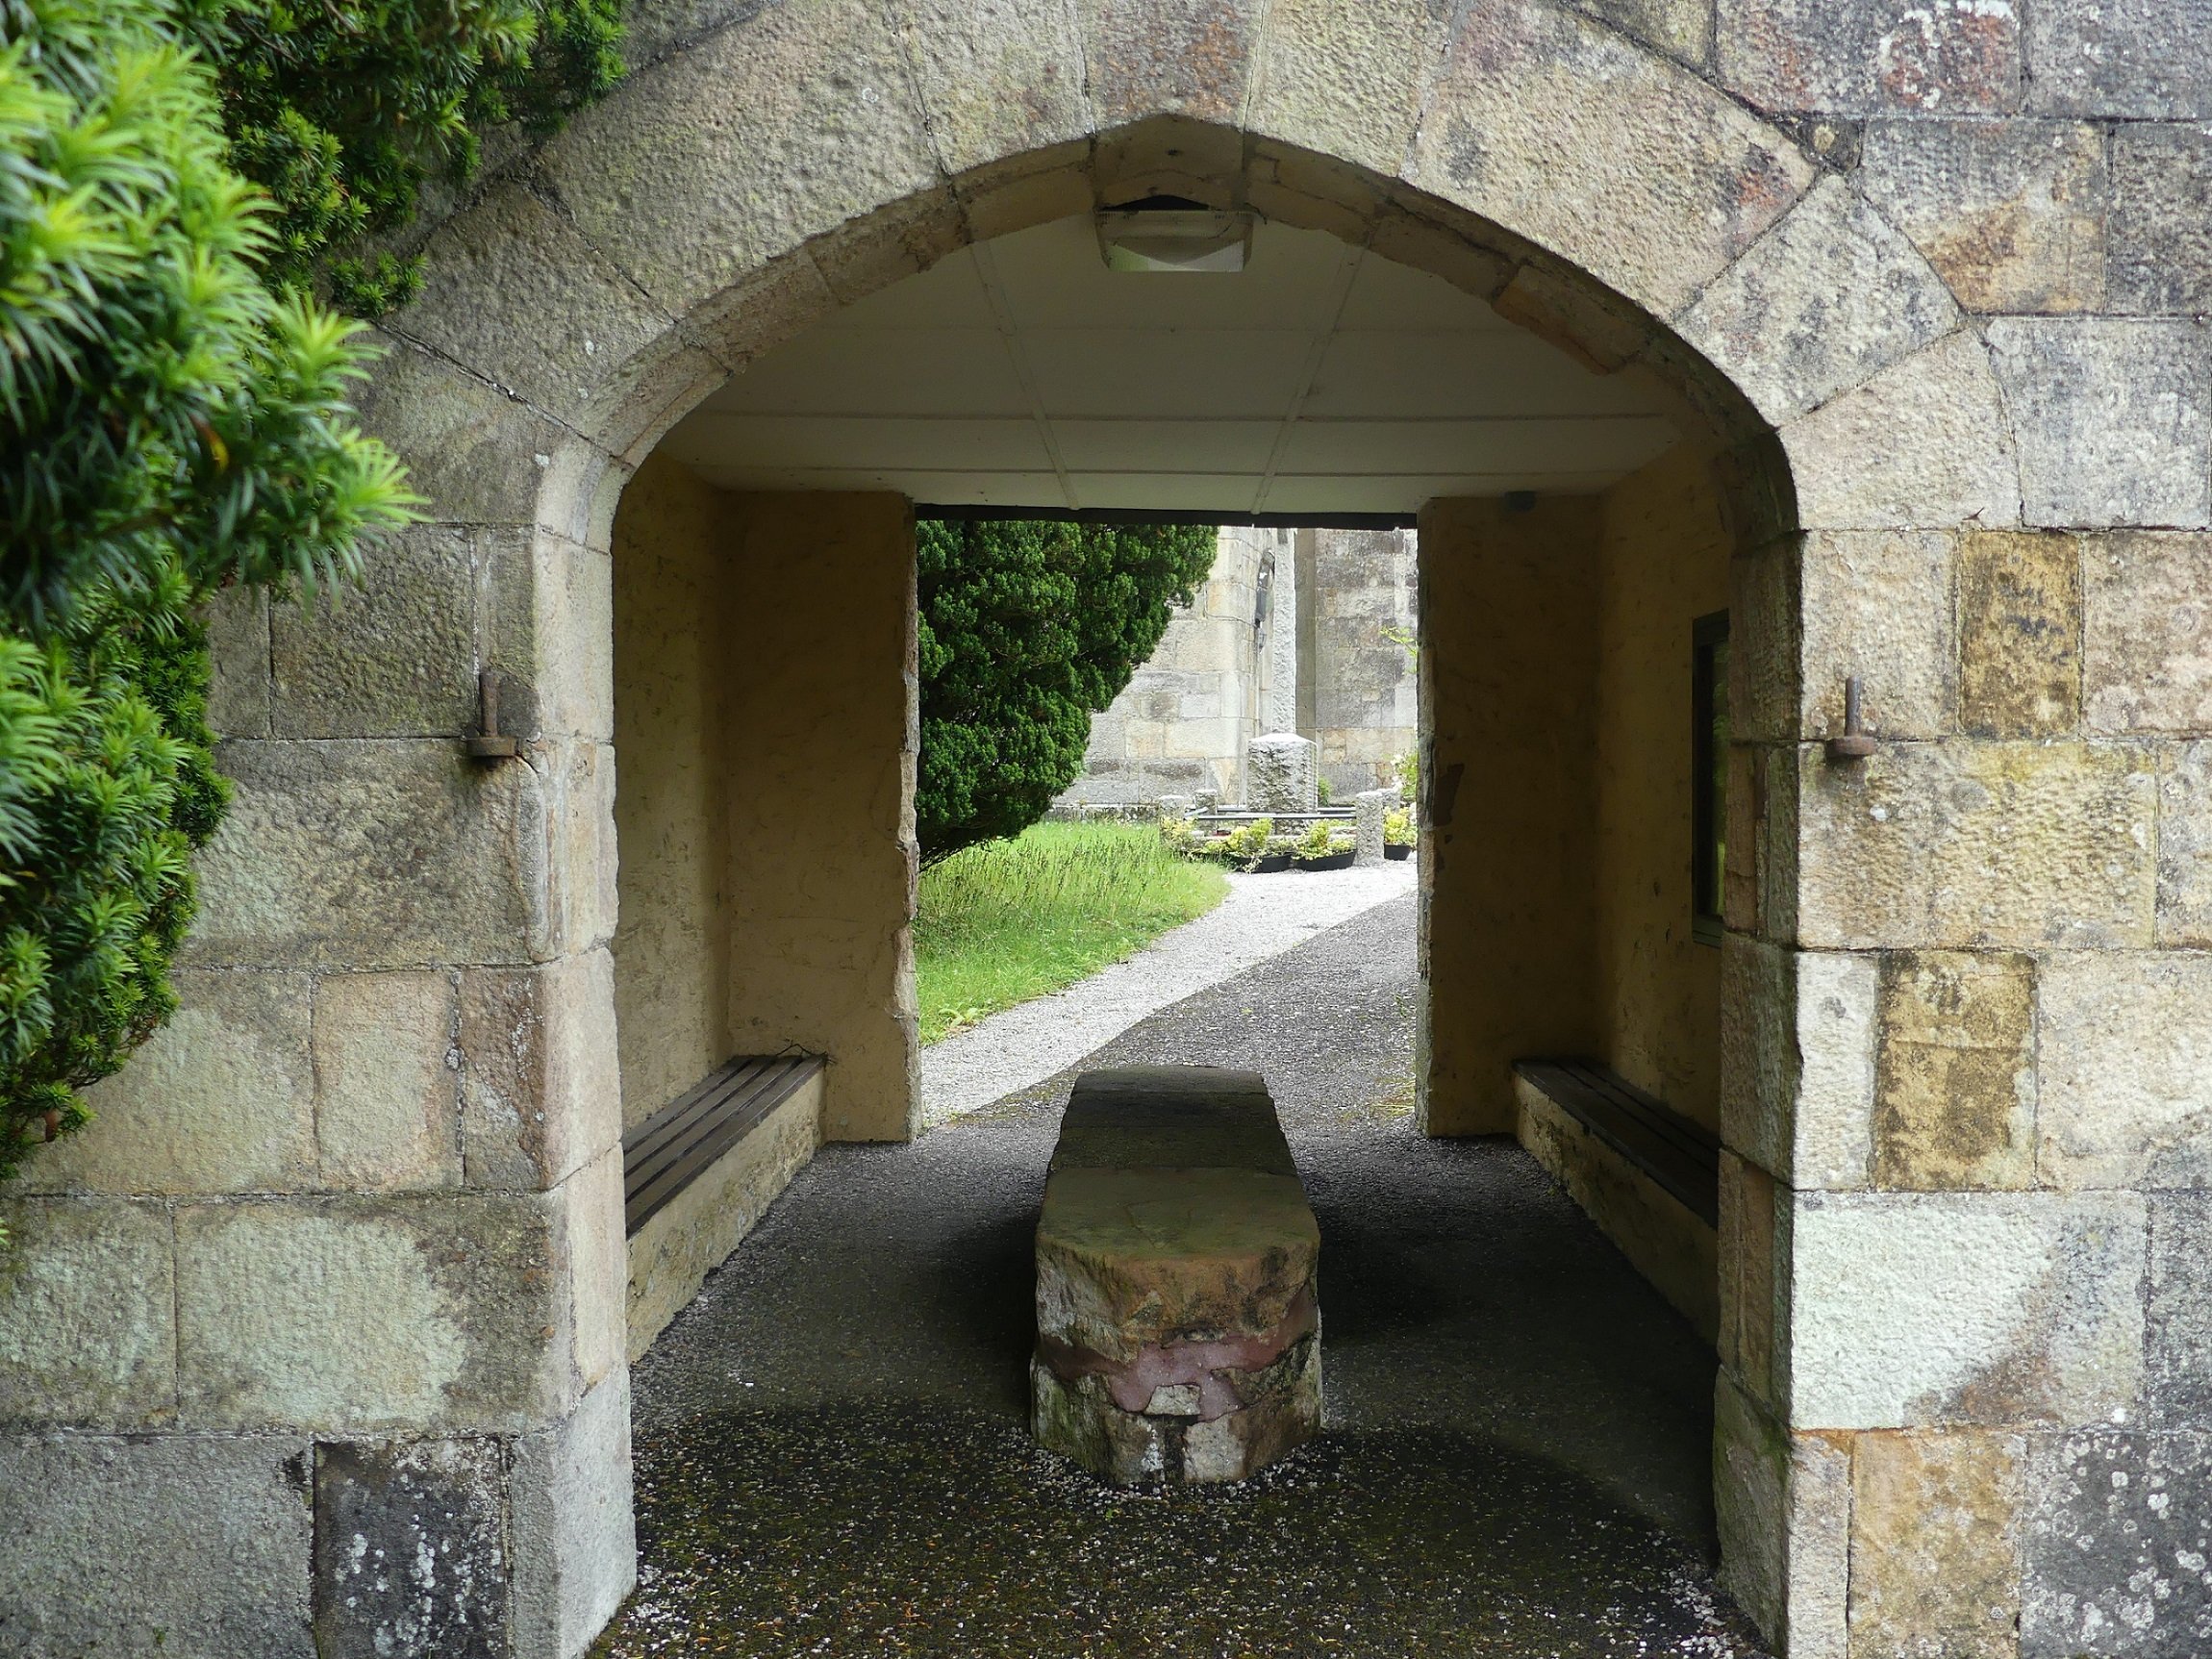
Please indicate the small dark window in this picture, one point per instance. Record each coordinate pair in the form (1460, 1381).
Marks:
(1708, 773)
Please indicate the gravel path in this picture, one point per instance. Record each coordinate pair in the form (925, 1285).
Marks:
(1263, 917)
(832, 1456)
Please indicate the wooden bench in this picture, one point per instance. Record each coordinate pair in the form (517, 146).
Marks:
(1649, 1176)
(698, 1173)
(1178, 1336)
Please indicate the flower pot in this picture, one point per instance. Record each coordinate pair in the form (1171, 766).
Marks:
(1270, 863)
(1397, 849)
(1332, 861)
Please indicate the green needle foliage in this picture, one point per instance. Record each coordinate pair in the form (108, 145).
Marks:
(1028, 629)
(342, 108)
(168, 426)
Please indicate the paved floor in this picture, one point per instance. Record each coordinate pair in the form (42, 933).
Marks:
(831, 1456)
(1263, 917)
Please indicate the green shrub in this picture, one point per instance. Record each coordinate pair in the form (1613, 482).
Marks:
(1249, 840)
(1399, 829)
(1320, 841)
(168, 426)
(1028, 629)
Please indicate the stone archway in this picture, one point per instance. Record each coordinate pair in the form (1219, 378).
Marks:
(1907, 1351)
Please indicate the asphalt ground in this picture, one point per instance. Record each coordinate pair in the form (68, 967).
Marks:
(830, 1441)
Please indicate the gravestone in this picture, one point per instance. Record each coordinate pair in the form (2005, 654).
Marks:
(1370, 807)
(1178, 1335)
(1283, 772)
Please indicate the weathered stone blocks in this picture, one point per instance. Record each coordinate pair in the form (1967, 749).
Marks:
(2121, 1039)
(1178, 1338)
(88, 1314)
(1976, 844)
(414, 1559)
(2020, 626)
(1935, 1544)
(1955, 1093)
(2161, 238)
(1863, 60)
(2147, 633)
(1878, 604)
(1992, 1308)
(2113, 416)
(388, 1113)
(192, 1546)
(2010, 213)
(2118, 1546)
(1282, 773)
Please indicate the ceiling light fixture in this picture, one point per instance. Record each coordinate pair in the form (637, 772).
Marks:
(1169, 234)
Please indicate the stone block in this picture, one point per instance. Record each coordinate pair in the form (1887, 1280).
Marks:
(1679, 28)
(2010, 213)
(1157, 56)
(1861, 60)
(1765, 642)
(1974, 845)
(545, 620)
(415, 1560)
(1370, 807)
(2145, 59)
(387, 1098)
(540, 1091)
(1935, 1544)
(1777, 325)
(1926, 441)
(2161, 233)
(1878, 604)
(1282, 775)
(1751, 1246)
(2126, 1095)
(367, 1316)
(88, 1314)
(522, 298)
(393, 657)
(1178, 1337)
(1990, 1308)
(220, 1099)
(192, 1546)
(2114, 1542)
(575, 1542)
(998, 77)
(1955, 1089)
(2147, 646)
(2113, 416)
(476, 454)
(1670, 180)
(588, 1231)
(577, 779)
(1783, 1508)
(1347, 80)
(2020, 626)
(2178, 1312)
(705, 166)
(1798, 1072)
(2185, 847)
(372, 854)
(238, 622)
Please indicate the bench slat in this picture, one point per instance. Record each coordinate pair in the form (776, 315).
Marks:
(673, 1147)
(1682, 1157)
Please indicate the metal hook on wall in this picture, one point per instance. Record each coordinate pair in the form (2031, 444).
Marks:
(1855, 743)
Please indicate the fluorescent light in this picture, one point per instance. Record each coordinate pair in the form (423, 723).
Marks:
(1174, 240)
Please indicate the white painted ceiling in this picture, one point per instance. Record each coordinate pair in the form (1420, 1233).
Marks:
(1319, 379)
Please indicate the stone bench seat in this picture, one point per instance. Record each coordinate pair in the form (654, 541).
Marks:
(1178, 1334)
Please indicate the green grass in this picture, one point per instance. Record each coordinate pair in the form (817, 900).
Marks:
(1011, 919)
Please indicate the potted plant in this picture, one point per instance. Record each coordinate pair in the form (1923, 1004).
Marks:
(1278, 854)
(1320, 849)
(1398, 834)
(1247, 845)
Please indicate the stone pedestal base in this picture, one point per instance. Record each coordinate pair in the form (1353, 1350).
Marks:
(1178, 1339)
(1171, 1441)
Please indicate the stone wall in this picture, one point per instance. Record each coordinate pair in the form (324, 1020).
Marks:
(1212, 683)
(1664, 562)
(765, 705)
(1358, 684)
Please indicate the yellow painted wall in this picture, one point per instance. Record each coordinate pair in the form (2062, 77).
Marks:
(672, 939)
(1508, 662)
(1664, 562)
(765, 724)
